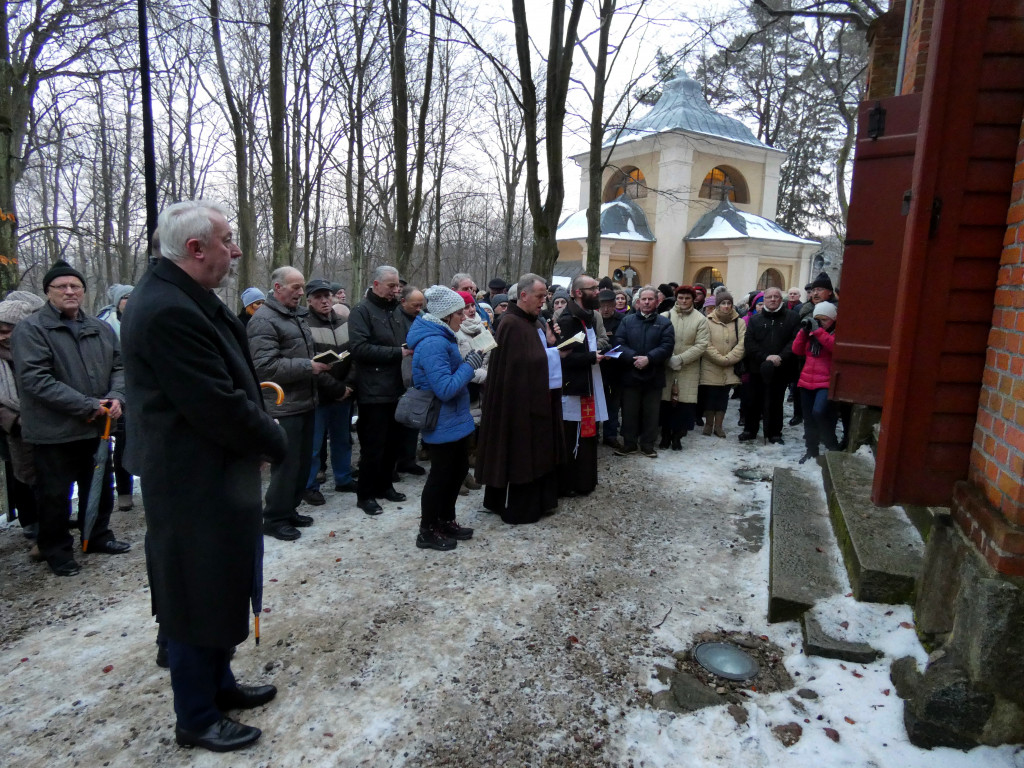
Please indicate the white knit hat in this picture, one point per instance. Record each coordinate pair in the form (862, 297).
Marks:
(826, 308)
(13, 311)
(443, 301)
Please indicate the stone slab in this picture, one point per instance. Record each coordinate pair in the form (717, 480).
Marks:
(882, 549)
(817, 642)
(801, 569)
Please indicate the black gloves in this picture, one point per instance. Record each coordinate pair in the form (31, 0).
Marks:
(809, 324)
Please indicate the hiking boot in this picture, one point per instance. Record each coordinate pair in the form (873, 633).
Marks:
(453, 530)
(745, 436)
(430, 538)
(315, 498)
(626, 450)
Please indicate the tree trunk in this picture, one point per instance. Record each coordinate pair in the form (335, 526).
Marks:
(278, 116)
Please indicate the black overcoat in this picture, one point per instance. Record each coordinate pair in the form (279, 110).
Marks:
(197, 433)
(521, 420)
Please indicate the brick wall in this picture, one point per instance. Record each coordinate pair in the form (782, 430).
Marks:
(883, 61)
(921, 15)
(994, 517)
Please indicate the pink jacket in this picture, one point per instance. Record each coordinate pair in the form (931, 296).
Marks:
(816, 369)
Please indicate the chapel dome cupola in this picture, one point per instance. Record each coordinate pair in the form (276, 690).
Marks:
(682, 107)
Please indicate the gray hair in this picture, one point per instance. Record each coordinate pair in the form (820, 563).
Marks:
(458, 277)
(383, 271)
(181, 222)
(527, 281)
(277, 276)
(642, 291)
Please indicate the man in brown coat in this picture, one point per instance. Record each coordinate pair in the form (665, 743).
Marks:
(521, 441)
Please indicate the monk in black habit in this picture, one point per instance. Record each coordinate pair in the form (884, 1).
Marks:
(520, 444)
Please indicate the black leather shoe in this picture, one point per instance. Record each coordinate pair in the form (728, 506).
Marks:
(745, 436)
(161, 657)
(392, 495)
(223, 736)
(109, 547)
(412, 469)
(777, 440)
(349, 487)
(796, 420)
(370, 506)
(245, 697)
(282, 531)
(67, 568)
(300, 521)
(313, 498)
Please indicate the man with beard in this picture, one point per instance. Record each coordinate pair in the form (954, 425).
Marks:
(770, 362)
(610, 371)
(199, 433)
(583, 403)
(282, 350)
(520, 444)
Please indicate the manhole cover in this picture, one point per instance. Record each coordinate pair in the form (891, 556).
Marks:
(726, 660)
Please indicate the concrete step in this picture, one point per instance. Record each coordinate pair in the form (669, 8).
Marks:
(801, 567)
(882, 549)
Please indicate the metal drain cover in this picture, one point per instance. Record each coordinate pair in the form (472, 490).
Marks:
(726, 660)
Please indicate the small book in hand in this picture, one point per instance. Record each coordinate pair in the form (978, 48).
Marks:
(330, 357)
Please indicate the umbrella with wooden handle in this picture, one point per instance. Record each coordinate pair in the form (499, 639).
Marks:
(257, 580)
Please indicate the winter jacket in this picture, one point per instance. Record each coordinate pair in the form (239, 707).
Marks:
(438, 366)
(470, 328)
(725, 349)
(282, 350)
(638, 336)
(771, 333)
(376, 332)
(330, 334)
(690, 330)
(61, 378)
(817, 368)
(578, 365)
(109, 314)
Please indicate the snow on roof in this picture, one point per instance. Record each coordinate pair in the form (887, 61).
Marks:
(621, 219)
(726, 222)
(682, 107)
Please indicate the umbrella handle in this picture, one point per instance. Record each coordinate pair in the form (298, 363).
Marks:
(276, 387)
(106, 428)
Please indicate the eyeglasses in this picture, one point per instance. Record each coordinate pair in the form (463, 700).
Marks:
(65, 287)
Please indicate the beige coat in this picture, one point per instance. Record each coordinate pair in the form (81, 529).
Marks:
(724, 351)
(683, 367)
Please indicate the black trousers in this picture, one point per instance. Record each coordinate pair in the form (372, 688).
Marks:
(288, 477)
(20, 497)
(640, 411)
(57, 467)
(449, 463)
(197, 674)
(380, 441)
(766, 392)
(121, 475)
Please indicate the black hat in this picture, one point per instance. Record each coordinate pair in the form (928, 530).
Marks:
(822, 281)
(319, 284)
(61, 269)
(497, 285)
(606, 295)
(335, 287)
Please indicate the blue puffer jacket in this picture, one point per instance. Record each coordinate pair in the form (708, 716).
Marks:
(437, 365)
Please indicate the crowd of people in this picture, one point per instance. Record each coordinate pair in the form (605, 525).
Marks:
(520, 385)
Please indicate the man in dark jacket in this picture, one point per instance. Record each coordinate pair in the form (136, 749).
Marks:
(583, 403)
(770, 360)
(610, 369)
(282, 350)
(68, 367)
(647, 341)
(334, 387)
(199, 432)
(376, 332)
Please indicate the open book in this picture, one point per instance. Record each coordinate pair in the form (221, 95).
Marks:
(483, 341)
(330, 357)
(576, 338)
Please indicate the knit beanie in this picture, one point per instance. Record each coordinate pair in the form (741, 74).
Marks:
(826, 308)
(466, 297)
(28, 297)
(822, 281)
(12, 311)
(118, 291)
(249, 295)
(443, 301)
(61, 269)
(499, 298)
(561, 293)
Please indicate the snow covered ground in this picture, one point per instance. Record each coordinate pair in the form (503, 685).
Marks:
(531, 645)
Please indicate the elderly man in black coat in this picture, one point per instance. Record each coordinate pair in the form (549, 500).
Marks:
(200, 434)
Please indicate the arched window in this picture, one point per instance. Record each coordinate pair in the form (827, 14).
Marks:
(707, 276)
(724, 183)
(629, 181)
(771, 278)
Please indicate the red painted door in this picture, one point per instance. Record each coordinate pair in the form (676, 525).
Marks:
(882, 168)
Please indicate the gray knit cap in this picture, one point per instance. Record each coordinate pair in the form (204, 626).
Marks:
(12, 311)
(443, 301)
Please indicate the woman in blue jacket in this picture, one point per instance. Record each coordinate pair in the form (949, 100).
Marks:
(437, 366)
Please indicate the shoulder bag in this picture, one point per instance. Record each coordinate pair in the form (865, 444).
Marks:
(418, 409)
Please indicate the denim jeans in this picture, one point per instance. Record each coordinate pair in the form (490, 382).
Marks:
(335, 420)
(820, 416)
